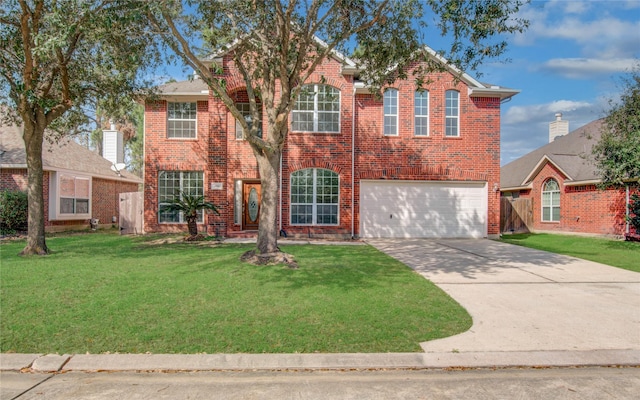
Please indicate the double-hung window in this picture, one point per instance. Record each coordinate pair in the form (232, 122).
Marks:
(390, 105)
(317, 109)
(551, 201)
(245, 110)
(74, 195)
(315, 195)
(452, 108)
(181, 120)
(172, 184)
(421, 113)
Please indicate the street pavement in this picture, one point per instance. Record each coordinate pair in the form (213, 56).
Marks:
(530, 310)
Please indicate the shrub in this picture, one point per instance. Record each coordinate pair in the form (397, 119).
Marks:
(13, 211)
(634, 212)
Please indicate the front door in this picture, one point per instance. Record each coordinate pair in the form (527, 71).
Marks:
(251, 196)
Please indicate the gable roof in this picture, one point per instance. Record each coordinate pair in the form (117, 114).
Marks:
(64, 155)
(568, 153)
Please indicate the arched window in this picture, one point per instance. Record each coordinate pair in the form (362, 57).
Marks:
(315, 196)
(317, 109)
(551, 201)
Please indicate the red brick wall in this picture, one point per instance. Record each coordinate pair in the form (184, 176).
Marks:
(105, 200)
(474, 156)
(164, 154)
(583, 209)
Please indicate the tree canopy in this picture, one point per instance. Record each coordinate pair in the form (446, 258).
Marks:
(56, 58)
(617, 154)
(277, 45)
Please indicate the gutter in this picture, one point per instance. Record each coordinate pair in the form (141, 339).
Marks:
(353, 160)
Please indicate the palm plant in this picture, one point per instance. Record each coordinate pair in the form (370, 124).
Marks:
(189, 205)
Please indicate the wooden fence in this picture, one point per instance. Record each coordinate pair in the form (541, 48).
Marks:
(516, 215)
(131, 213)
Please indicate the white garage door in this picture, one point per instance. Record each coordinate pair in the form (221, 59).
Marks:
(414, 209)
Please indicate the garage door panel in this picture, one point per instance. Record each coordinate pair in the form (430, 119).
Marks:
(406, 209)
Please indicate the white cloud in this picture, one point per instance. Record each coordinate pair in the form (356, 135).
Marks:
(525, 128)
(577, 68)
(591, 25)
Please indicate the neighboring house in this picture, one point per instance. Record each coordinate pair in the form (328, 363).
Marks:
(561, 182)
(79, 185)
(413, 163)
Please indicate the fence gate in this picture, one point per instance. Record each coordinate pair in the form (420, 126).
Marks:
(516, 215)
(131, 213)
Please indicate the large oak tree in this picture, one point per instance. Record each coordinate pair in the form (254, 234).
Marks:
(56, 58)
(617, 154)
(275, 46)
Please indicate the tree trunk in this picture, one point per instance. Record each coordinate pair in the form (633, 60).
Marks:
(33, 137)
(269, 167)
(192, 224)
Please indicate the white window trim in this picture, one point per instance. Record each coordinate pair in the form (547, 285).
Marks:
(195, 136)
(385, 115)
(182, 219)
(54, 197)
(550, 206)
(314, 204)
(456, 117)
(316, 112)
(426, 116)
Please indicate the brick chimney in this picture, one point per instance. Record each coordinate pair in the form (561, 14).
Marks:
(558, 128)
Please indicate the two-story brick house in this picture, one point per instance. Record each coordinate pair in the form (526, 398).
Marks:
(414, 162)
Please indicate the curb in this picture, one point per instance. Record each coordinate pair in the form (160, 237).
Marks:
(343, 361)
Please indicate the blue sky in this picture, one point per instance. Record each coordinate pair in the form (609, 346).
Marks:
(570, 61)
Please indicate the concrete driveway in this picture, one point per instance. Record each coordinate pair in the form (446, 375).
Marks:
(526, 300)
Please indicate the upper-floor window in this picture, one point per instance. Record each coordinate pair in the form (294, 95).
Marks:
(390, 105)
(452, 119)
(317, 109)
(315, 197)
(245, 110)
(421, 113)
(551, 201)
(172, 184)
(181, 120)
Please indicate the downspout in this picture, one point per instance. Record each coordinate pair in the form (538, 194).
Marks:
(353, 159)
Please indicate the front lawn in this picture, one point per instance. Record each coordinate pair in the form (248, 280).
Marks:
(617, 253)
(101, 292)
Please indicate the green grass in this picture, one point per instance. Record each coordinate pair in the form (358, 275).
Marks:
(102, 293)
(616, 253)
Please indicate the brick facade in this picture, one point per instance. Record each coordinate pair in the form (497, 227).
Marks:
(105, 200)
(359, 151)
(583, 209)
